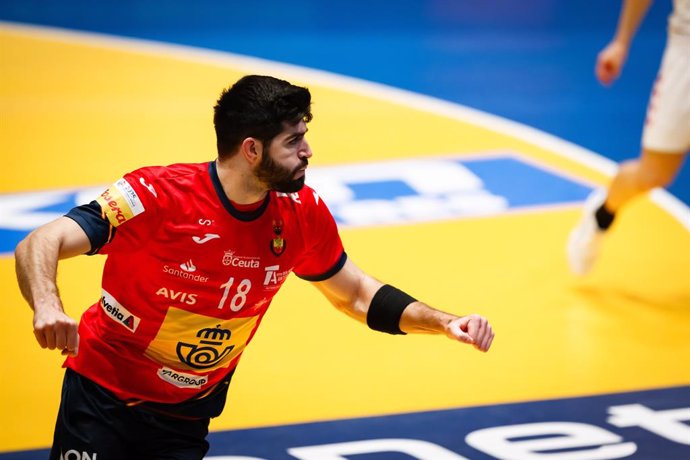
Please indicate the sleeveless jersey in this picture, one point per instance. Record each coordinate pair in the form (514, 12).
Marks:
(188, 277)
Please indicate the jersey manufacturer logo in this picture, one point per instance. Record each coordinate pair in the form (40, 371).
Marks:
(149, 187)
(120, 203)
(117, 312)
(181, 379)
(212, 347)
(231, 260)
(182, 297)
(294, 196)
(206, 237)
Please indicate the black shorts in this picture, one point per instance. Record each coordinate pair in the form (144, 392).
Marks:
(92, 423)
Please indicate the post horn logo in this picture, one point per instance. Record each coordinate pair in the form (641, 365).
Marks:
(210, 350)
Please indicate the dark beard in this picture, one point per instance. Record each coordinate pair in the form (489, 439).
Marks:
(279, 178)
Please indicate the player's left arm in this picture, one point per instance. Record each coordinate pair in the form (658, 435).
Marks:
(388, 309)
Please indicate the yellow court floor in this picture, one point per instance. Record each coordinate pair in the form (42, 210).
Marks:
(79, 111)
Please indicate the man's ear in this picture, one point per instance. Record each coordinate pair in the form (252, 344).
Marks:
(251, 150)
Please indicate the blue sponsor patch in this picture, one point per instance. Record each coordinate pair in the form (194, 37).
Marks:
(377, 193)
(639, 425)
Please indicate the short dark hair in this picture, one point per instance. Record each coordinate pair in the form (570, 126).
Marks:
(257, 106)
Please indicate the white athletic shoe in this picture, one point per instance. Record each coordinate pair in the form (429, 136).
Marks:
(584, 242)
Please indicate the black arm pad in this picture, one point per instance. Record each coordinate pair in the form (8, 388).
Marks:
(386, 309)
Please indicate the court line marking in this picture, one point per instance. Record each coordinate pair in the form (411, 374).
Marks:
(554, 144)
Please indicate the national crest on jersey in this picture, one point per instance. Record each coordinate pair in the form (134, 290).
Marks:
(187, 283)
(278, 242)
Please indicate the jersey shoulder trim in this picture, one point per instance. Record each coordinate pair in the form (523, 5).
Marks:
(328, 273)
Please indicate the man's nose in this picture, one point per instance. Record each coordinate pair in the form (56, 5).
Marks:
(305, 151)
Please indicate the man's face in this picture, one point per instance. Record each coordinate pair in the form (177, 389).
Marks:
(284, 161)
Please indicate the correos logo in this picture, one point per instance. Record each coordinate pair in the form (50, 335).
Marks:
(212, 348)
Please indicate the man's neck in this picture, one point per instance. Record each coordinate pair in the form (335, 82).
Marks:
(239, 183)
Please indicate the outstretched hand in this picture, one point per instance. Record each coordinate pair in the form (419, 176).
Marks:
(474, 330)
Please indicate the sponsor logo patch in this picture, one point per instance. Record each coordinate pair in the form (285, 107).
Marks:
(120, 203)
(232, 260)
(274, 278)
(117, 312)
(186, 273)
(211, 346)
(74, 454)
(188, 266)
(193, 342)
(178, 296)
(181, 379)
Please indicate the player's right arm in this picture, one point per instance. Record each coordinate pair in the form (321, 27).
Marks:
(36, 264)
(611, 59)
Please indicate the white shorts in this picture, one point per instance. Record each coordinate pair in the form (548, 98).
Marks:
(667, 127)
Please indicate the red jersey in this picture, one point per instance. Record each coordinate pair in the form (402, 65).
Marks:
(188, 278)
